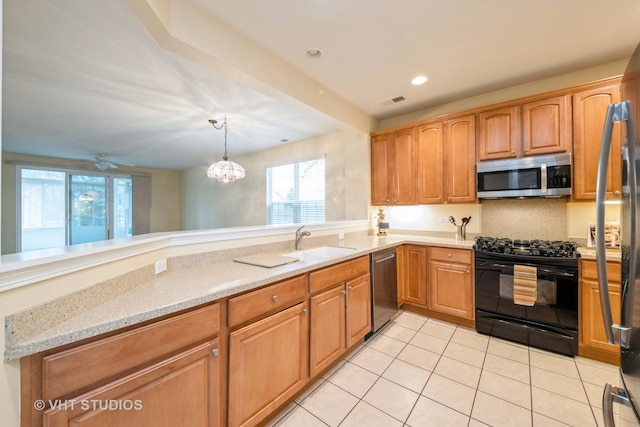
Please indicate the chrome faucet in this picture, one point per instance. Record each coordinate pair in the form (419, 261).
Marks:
(299, 235)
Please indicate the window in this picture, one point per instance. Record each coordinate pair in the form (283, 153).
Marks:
(59, 208)
(295, 193)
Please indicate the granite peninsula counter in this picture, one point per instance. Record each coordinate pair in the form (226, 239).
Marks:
(141, 296)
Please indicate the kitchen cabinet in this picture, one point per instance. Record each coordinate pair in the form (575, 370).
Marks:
(460, 159)
(268, 364)
(392, 168)
(430, 164)
(546, 126)
(340, 311)
(165, 373)
(414, 267)
(589, 110)
(269, 355)
(400, 273)
(536, 127)
(451, 282)
(499, 135)
(592, 339)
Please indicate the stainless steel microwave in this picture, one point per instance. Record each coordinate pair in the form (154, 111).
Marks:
(534, 176)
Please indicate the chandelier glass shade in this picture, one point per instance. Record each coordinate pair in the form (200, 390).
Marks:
(225, 170)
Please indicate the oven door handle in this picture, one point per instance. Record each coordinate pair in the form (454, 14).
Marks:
(531, 327)
(556, 273)
(492, 264)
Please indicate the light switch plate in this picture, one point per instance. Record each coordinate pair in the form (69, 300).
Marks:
(443, 219)
(340, 236)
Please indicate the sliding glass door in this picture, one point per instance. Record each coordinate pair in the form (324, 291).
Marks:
(88, 218)
(59, 208)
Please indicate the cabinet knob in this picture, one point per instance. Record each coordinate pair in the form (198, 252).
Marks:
(449, 198)
(349, 287)
(215, 352)
(344, 292)
(468, 271)
(617, 193)
(304, 311)
(449, 255)
(274, 298)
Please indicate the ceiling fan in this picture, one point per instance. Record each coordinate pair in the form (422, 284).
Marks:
(103, 162)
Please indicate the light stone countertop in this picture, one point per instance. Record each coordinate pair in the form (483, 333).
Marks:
(590, 253)
(174, 291)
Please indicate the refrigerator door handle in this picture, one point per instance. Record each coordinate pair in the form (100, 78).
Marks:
(615, 113)
(610, 395)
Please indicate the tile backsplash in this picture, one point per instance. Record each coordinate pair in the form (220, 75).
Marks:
(550, 219)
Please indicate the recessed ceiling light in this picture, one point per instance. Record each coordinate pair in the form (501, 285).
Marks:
(314, 53)
(418, 80)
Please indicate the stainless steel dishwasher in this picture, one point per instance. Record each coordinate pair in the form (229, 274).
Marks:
(384, 288)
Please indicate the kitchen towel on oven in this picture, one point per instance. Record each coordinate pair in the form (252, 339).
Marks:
(525, 284)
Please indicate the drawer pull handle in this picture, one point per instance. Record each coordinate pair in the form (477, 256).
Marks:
(274, 298)
(215, 352)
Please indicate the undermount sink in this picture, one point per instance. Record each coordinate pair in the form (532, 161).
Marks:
(321, 252)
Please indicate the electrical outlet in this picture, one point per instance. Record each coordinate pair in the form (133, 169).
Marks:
(340, 236)
(443, 219)
(161, 266)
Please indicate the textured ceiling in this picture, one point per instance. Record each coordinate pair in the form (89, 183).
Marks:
(81, 78)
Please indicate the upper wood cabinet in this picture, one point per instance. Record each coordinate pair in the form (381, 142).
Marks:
(392, 168)
(532, 128)
(430, 164)
(546, 126)
(499, 135)
(460, 159)
(589, 110)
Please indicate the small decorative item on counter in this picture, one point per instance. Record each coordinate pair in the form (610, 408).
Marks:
(612, 235)
(461, 230)
(382, 225)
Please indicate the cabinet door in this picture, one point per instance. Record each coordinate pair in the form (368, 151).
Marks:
(328, 330)
(268, 363)
(499, 136)
(403, 171)
(430, 164)
(400, 273)
(381, 161)
(546, 126)
(358, 308)
(589, 110)
(592, 332)
(182, 390)
(415, 274)
(460, 159)
(451, 289)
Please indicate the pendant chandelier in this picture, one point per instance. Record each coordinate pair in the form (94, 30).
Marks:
(224, 170)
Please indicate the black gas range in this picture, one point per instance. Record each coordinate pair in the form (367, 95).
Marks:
(549, 252)
(550, 321)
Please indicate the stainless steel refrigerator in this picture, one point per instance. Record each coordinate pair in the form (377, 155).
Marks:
(626, 115)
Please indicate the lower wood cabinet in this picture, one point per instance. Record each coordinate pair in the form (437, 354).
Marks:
(328, 330)
(268, 363)
(451, 282)
(181, 390)
(164, 373)
(592, 339)
(340, 312)
(416, 260)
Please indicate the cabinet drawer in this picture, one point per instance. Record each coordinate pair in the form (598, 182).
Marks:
(321, 279)
(280, 295)
(589, 270)
(91, 363)
(461, 256)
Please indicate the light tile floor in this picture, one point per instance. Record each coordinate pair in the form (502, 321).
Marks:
(418, 371)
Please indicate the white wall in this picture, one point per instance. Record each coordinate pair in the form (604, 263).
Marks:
(211, 204)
